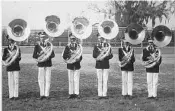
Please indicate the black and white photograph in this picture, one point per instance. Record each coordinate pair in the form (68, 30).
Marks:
(89, 55)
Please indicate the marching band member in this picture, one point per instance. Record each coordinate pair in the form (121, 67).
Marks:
(102, 66)
(44, 68)
(73, 68)
(127, 59)
(152, 72)
(13, 68)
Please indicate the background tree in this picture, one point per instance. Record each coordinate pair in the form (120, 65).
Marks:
(139, 12)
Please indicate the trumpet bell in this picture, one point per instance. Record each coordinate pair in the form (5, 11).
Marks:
(108, 29)
(81, 27)
(161, 36)
(18, 30)
(53, 26)
(134, 34)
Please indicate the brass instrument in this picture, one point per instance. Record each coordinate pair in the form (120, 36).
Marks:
(105, 51)
(108, 29)
(12, 56)
(18, 30)
(53, 25)
(74, 55)
(161, 36)
(46, 52)
(134, 34)
(126, 58)
(153, 59)
(81, 28)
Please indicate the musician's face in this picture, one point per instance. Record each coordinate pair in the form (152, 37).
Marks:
(11, 41)
(101, 39)
(152, 46)
(73, 40)
(126, 44)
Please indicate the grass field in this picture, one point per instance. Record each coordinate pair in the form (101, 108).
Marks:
(29, 89)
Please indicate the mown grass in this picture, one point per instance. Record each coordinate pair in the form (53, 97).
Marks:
(29, 89)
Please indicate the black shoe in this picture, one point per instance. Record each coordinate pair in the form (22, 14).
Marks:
(149, 97)
(71, 96)
(100, 97)
(16, 98)
(156, 98)
(41, 98)
(105, 97)
(12, 98)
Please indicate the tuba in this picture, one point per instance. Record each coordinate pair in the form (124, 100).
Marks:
(82, 29)
(134, 34)
(18, 30)
(53, 26)
(12, 57)
(46, 51)
(108, 29)
(161, 36)
(153, 59)
(74, 55)
(126, 58)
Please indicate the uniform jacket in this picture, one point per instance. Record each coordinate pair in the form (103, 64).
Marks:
(104, 64)
(36, 52)
(129, 66)
(15, 65)
(67, 54)
(146, 54)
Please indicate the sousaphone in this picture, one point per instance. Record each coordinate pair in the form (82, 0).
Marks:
(161, 36)
(108, 29)
(18, 30)
(134, 34)
(81, 28)
(53, 25)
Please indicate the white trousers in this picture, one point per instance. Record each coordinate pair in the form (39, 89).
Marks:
(44, 79)
(13, 83)
(74, 76)
(102, 76)
(127, 82)
(152, 81)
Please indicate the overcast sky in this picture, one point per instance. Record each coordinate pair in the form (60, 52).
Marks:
(36, 11)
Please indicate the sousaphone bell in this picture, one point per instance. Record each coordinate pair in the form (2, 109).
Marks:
(161, 36)
(108, 29)
(53, 26)
(134, 34)
(18, 30)
(81, 27)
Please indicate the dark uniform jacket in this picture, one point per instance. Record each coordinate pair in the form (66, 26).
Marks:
(15, 65)
(129, 66)
(104, 64)
(146, 53)
(67, 54)
(37, 50)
